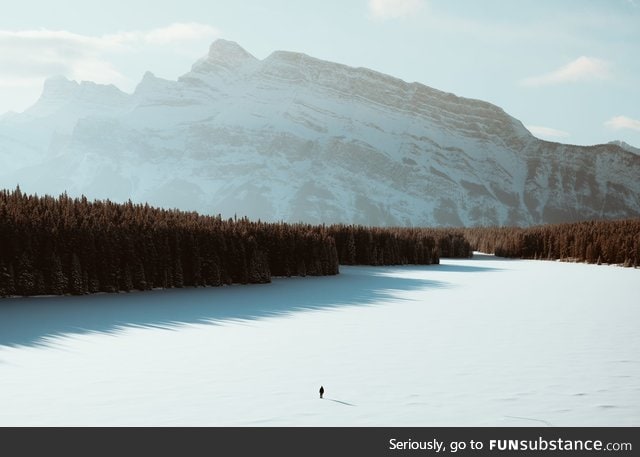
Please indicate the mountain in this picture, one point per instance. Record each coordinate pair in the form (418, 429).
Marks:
(626, 146)
(295, 138)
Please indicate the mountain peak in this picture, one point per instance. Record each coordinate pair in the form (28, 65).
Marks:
(626, 146)
(225, 59)
(148, 81)
(58, 87)
(148, 76)
(227, 51)
(58, 93)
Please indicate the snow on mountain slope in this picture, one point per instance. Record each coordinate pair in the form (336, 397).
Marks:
(45, 129)
(297, 138)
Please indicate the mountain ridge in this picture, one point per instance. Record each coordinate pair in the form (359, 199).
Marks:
(291, 137)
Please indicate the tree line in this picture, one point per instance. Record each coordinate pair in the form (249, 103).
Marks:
(360, 245)
(70, 245)
(610, 242)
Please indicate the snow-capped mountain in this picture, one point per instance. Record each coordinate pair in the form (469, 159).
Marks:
(294, 138)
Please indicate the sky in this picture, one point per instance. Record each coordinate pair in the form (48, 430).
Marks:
(569, 70)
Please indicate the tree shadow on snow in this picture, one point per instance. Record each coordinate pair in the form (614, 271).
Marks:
(33, 321)
(453, 268)
(449, 266)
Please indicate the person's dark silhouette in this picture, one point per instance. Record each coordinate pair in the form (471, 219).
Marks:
(321, 391)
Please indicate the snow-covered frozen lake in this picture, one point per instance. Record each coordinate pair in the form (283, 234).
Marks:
(475, 342)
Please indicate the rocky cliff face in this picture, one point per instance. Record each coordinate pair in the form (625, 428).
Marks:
(295, 138)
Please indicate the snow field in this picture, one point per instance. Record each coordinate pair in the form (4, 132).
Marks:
(482, 342)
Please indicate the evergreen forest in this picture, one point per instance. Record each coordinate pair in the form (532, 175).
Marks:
(64, 245)
(602, 242)
(69, 245)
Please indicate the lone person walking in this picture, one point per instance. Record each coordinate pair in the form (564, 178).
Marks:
(321, 391)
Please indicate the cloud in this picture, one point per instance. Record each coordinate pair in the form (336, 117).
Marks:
(547, 132)
(581, 69)
(29, 56)
(623, 122)
(19, 82)
(174, 33)
(394, 9)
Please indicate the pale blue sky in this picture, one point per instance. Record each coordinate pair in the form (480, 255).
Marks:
(569, 70)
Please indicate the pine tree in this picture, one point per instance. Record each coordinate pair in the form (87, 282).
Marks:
(7, 282)
(26, 280)
(75, 278)
(58, 281)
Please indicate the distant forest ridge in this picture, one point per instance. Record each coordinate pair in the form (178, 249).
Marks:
(70, 245)
(607, 242)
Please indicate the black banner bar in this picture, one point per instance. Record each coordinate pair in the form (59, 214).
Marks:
(322, 441)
